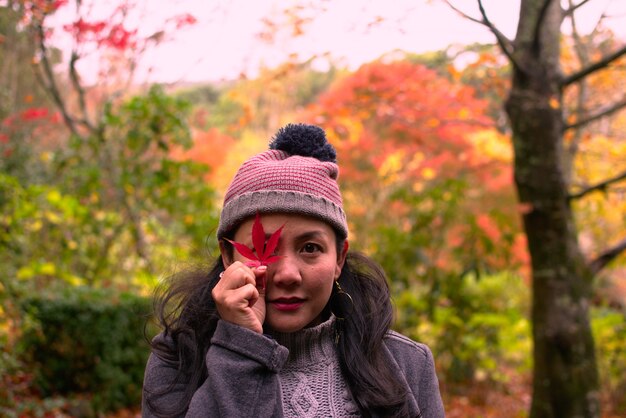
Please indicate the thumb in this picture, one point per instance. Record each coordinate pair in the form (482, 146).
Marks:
(260, 274)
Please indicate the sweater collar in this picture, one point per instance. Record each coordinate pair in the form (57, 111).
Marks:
(309, 345)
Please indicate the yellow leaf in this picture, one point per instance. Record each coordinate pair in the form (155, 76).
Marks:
(491, 143)
(428, 173)
(34, 226)
(53, 196)
(25, 273)
(52, 217)
(48, 269)
(45, 156)
(392, 165)
(73, 280)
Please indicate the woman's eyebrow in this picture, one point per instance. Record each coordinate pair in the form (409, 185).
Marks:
(311, 235)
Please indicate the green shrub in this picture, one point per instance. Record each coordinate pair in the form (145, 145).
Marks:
(609, 331)
(478, 327)
(86, 341)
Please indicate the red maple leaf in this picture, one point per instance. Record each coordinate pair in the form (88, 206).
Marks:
(262, 253)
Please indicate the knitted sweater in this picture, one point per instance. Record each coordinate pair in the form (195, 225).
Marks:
(311, 381)
(253, 375)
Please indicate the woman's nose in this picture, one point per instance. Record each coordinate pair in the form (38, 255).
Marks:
(285, 271)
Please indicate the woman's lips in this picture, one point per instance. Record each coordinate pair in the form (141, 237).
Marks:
(287, 304)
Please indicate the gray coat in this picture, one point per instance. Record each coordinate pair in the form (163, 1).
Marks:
(243, 376)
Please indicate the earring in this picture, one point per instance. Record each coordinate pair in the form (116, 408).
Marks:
(341, 303)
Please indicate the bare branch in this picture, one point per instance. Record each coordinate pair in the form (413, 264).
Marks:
(579, 44)
(599, 114)
(505, 43)
(48, 81)
(602, 63)
(599, 186)
(582, 98)
(80, 90)
(573, 8)
(607, 256)
(463, 14)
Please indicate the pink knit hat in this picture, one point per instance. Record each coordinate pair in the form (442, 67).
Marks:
(297, 175)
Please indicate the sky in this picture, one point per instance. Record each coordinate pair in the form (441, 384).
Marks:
(223, 43)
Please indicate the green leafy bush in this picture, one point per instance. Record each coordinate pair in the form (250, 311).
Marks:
(88, 341)
(609, 331)
(477, 326)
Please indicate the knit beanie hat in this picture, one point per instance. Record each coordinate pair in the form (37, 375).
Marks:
(298, 174)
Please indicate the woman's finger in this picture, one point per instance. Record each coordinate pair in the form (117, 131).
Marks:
(259, 273)
(236, 275)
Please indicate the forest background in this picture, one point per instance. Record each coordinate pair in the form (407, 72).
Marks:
(110, 182)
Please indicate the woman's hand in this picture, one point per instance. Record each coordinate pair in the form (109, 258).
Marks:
(237, 297)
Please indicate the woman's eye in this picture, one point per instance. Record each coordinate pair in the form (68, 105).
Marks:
(310, 248)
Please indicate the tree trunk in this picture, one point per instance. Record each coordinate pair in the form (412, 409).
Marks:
(565, 380)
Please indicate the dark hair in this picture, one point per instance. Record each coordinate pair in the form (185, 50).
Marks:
(187, 313)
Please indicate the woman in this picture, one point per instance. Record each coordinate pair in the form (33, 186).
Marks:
(288, 322)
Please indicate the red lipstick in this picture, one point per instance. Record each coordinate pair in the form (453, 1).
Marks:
(287, 304)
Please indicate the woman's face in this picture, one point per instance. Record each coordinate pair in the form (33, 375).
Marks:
(300, 283)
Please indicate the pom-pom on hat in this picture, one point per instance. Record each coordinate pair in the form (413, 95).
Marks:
(298, 174)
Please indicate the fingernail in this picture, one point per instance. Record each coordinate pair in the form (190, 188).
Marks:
(261, 269)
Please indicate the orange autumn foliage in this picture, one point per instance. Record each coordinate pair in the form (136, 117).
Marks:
(209, 147)
(386, 107)
(401, 126)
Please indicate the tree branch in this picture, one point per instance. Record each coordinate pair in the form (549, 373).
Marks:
(463, 14)
(599, 186)
(542, 15)
(607, 256)
(49, 83)
(80, 90)
(573, 8)
(464, 122)
(505, 43)
(599, 114)
(582, 98)
(602, 63)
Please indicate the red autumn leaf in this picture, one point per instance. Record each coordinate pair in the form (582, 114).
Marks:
(183, 20)
(261, 254)
(34, 113)
(244, 250)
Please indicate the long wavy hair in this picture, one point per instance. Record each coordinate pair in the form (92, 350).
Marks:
(185, 310)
